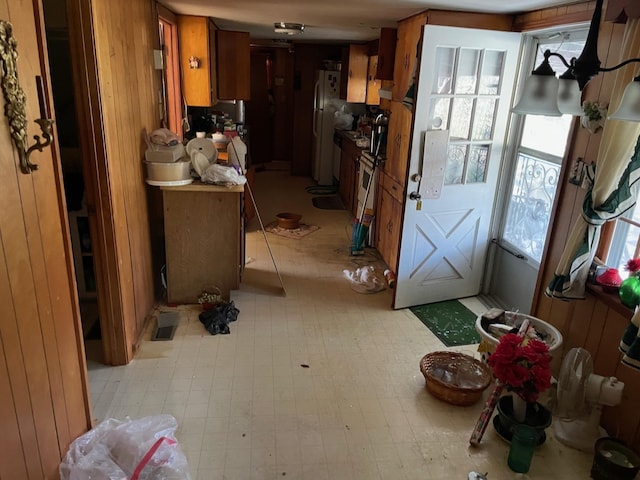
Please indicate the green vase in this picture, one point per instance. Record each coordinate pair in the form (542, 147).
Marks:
(630, 292)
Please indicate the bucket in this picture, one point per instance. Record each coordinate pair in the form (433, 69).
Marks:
(613, 460)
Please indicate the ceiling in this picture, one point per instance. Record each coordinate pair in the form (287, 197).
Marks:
(334, 20)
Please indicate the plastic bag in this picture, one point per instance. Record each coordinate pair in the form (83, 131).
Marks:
(217, 319)
(365, 280)
(142, 449)
(342, 120)
(220, 174)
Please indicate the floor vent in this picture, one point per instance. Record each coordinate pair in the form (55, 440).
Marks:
(166, 327)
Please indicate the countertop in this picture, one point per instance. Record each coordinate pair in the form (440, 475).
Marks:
(199, 186)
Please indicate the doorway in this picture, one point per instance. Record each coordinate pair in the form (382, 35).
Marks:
(67, 136)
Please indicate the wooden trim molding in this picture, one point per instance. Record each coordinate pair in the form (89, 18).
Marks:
(551, 17)
(166, 14)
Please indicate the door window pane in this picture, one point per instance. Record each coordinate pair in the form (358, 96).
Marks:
(491, 76)
(467, 71)
(455, 164)
(477, 167)
(439, 113)
(445, 62)
(483, 119)
(461, 118)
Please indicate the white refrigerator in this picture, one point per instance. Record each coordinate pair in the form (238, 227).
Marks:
(326, 101)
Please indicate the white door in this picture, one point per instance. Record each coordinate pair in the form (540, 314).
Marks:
(465, 86)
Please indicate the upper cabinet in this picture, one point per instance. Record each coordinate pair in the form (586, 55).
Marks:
(234, 65)
(214, 63)
(409, 33)
(197, 60)
(386, 53)
(373, 84)
(353, 81)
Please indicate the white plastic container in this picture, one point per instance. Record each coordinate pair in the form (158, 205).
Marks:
(168, 172)
(162, 154)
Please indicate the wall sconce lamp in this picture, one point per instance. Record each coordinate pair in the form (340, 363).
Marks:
(15, 101)
(544, 94)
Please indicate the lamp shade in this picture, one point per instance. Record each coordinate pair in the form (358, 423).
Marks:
(539, 97)
(629, 108)
(569, 97)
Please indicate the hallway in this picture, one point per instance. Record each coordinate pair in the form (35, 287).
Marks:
(248, 409)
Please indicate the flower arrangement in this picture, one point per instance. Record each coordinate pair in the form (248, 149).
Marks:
(594, 116)
(522, 366)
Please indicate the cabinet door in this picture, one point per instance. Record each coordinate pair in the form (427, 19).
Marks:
(388, 227)
(193, 34)
(373, 84)
(233, 65)
(386, 53)
(354, 76)
(213, 75)
(398, 139)
(409, 34)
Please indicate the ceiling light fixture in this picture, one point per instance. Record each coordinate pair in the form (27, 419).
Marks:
(288, 28)
(544, 94)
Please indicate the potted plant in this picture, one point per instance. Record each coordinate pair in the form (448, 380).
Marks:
(522, 365)
(594, 116)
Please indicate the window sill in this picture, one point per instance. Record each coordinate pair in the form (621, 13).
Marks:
(612, 300)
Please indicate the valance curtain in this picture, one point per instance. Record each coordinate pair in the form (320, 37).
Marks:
(614, 190)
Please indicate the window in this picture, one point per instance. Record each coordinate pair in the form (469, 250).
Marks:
(537, 160)
(624, 243)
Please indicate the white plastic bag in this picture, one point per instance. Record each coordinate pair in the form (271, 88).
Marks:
(364, 280)
(342, 120)
(143, 449)
(222, 175)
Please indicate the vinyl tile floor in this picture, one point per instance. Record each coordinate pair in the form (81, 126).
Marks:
(249, 409)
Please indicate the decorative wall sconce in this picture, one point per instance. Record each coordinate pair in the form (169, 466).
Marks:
(194, 62)
(15, 101)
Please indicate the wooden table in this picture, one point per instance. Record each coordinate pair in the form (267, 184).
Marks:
(204, 239)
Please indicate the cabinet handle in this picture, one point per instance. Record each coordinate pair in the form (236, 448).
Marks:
(350, 73)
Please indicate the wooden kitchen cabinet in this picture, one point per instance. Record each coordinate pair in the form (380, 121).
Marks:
(373, 84)
(204, 240)
(386, 53)
(353, 81)
(223, 70)
(398, 142)
(349, 163)
(409, 34)
(233, 65)
(198, 40)
(388, 220)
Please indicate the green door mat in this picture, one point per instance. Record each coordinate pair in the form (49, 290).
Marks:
(450, 321)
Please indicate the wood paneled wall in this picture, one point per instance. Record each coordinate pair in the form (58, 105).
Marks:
(591, 323)
(113, 45)
(44, 402)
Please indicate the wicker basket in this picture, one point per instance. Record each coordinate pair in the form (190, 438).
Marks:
(454, 377)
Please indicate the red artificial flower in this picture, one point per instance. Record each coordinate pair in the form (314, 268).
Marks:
(522, 365)
(633, 265)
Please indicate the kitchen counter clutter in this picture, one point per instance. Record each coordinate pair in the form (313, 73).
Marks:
(204, 239)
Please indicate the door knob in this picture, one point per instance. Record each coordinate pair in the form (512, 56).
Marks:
(415, 196)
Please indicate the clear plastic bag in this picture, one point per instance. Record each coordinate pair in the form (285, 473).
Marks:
(142, 449)
(221, 175)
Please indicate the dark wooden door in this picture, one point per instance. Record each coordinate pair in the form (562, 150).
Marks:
(44, 401)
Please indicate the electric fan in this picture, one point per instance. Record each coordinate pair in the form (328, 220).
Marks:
(580, 397)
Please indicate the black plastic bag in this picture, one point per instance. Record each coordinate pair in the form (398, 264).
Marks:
(218, 318)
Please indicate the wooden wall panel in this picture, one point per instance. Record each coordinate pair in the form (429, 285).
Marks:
(125, 36)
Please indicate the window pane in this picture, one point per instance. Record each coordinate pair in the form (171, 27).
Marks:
(445, 61)
(534, 189)
(461, 118)
(467, 71)
(455, 164)
(477, 167)
(491, 75)
(483, 119)
(439, 113)
(624, 246)
(546, 134)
